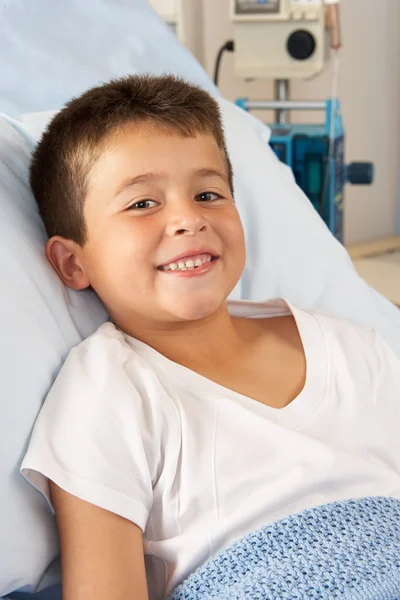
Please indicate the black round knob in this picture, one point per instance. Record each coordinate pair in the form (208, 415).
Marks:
(301, 44)
(360, 173)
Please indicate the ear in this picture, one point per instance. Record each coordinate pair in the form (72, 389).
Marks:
(63, 255)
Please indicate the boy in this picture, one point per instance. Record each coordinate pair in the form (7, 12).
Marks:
(186, 421)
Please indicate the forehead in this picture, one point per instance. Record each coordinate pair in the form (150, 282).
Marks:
(147, 142)
(134, 150)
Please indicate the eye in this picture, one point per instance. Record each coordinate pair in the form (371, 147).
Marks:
(142, 204)
(207, 197)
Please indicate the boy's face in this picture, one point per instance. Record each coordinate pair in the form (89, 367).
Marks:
(157, 199)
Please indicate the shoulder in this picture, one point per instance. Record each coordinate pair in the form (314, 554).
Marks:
(104, 377)
(104, 356)
(354, 345)
(340, 327)
(107, 341)
(333, 326)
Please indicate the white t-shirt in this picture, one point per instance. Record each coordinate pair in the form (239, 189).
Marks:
(198, 466)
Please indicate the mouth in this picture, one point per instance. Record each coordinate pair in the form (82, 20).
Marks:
(189, 262)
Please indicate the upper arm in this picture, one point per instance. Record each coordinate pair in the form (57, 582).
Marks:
(101, 553)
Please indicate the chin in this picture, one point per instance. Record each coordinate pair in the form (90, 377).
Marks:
(195, 310)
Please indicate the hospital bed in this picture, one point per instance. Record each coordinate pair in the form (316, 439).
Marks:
(291, 253)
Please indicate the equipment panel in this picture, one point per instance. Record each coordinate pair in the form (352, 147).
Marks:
(253, 7)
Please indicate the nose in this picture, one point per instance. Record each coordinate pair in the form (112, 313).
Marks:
(186, 220)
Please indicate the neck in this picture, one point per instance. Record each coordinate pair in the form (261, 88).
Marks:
(214, 339)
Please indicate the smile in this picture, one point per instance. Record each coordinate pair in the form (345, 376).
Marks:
(193, 267)
(189, 264)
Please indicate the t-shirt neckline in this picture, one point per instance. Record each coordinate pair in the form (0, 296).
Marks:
(302, 408)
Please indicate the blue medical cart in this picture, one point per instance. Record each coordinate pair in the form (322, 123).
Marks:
(315, 153)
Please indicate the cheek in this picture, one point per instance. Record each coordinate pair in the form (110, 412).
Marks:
(128, 239)
(233, 234)
(119, 252)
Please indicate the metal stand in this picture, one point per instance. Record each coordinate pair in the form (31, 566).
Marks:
(282, 106)
(282, 93)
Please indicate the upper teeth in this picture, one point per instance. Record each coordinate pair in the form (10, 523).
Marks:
(190, 263)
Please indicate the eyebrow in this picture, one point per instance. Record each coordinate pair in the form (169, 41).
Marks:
(212, 173)
(143, 178)
(151, 177)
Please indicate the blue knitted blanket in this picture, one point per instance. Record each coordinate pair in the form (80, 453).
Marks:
(348, 550)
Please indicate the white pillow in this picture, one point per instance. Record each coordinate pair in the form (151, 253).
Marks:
(40, 320)
(52, 50)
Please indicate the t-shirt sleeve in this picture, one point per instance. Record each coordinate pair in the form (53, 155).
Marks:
(98, 434)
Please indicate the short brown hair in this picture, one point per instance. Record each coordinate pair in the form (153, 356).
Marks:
(76, 137)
